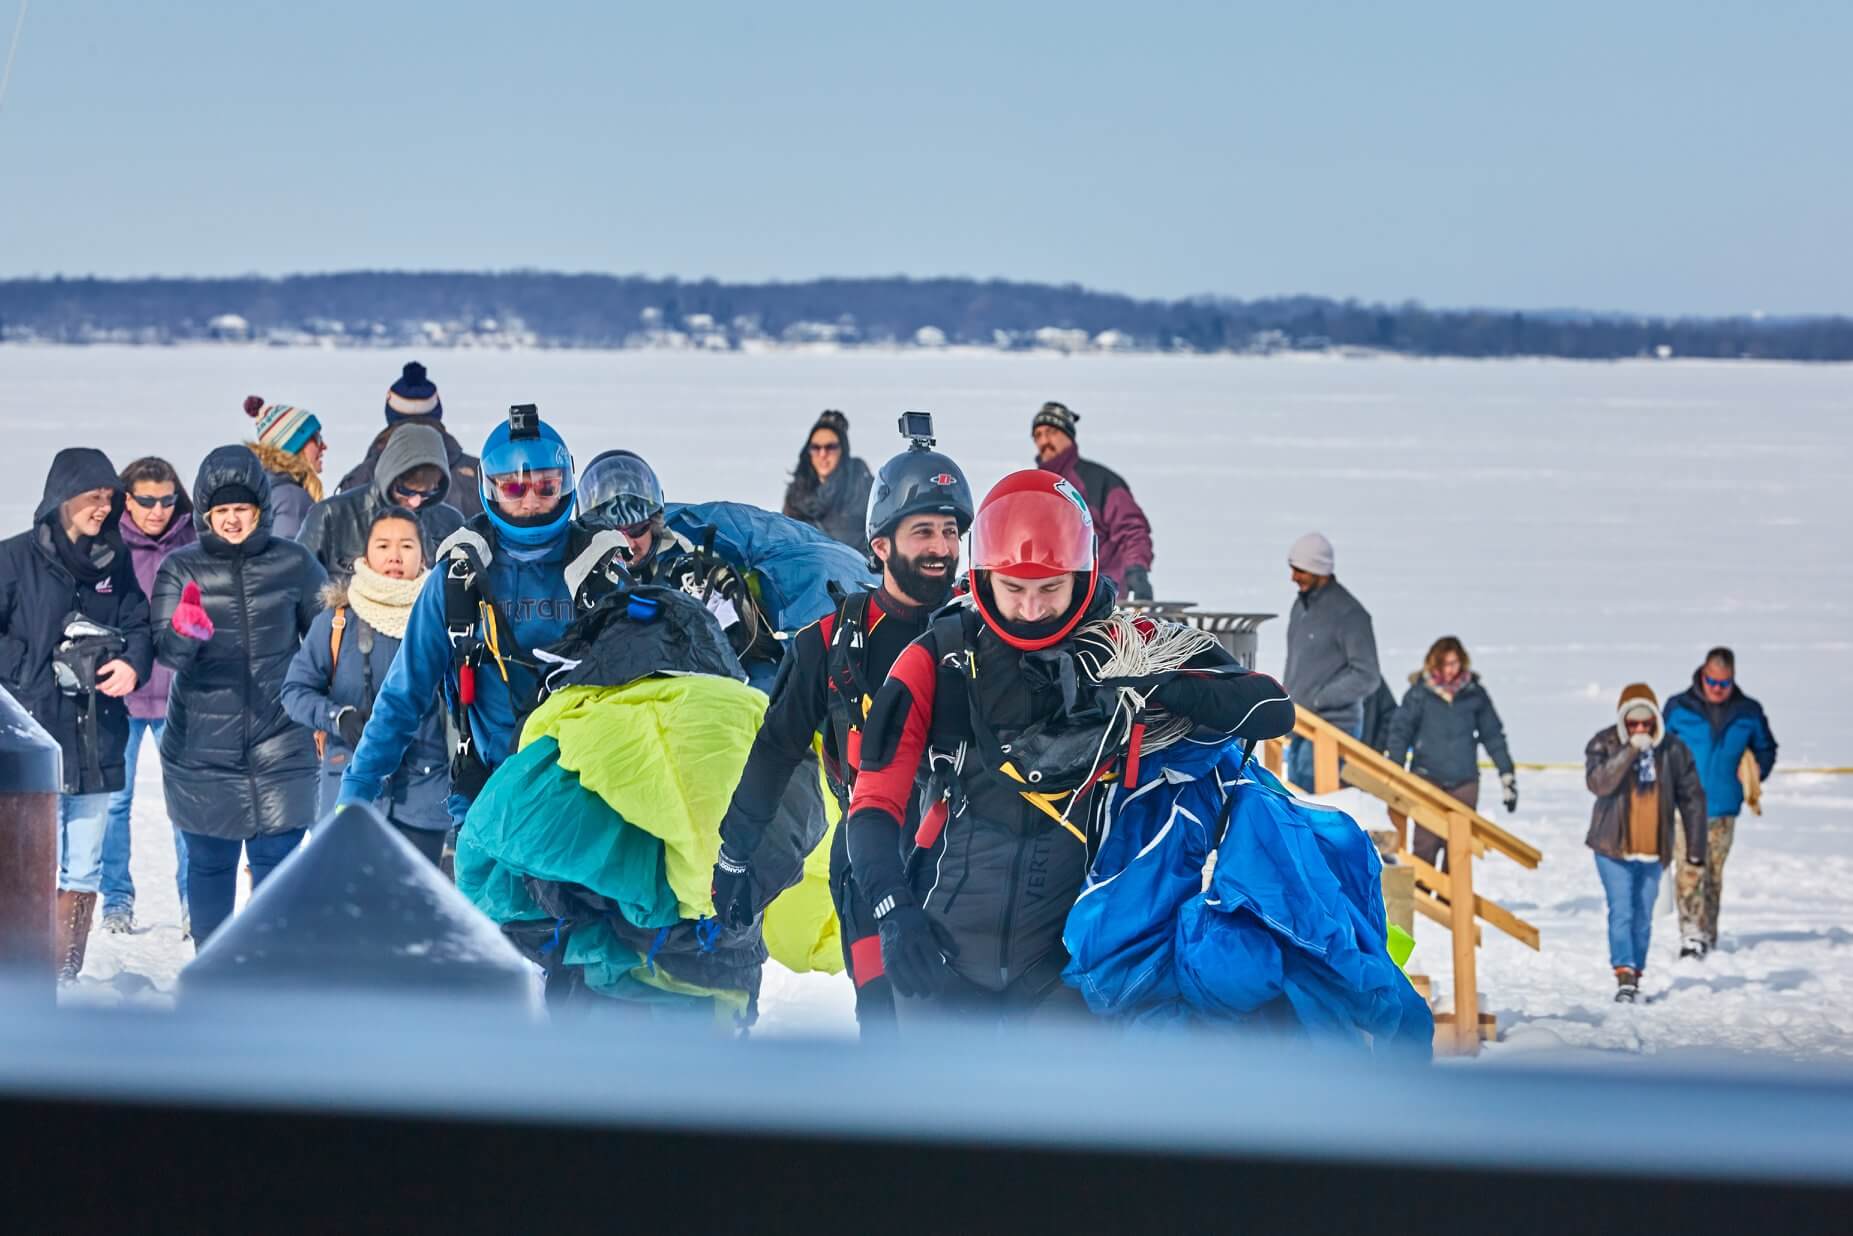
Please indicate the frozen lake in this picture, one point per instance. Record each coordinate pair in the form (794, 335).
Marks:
(1579, 526)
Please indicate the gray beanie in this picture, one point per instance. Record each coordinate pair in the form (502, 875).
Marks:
(1312, 553)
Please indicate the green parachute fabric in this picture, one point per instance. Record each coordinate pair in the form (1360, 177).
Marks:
(535, 819)
(618, 742)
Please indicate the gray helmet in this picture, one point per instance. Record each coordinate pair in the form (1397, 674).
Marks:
(918, 482)
(619, 490)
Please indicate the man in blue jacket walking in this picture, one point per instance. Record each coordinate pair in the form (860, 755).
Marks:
(1719, 723)
(499, 589)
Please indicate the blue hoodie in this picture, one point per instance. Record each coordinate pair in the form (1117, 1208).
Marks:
(529, 587)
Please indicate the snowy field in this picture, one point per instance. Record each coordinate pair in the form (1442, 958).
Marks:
(1579, 526)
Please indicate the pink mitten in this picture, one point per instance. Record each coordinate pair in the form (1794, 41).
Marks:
(190, 617)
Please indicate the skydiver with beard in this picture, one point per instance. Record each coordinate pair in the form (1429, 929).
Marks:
(919, 508)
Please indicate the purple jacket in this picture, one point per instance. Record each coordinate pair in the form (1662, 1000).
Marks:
(148, 702)
(1125, 534)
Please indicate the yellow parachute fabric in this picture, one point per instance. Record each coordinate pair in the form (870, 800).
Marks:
(800, 925)
(666, 754)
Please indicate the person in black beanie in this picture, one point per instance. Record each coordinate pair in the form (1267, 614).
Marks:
(1125, 533)
(829, 488)
(413, 400)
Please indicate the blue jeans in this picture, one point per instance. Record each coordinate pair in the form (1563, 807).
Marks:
(1300, 757)
(1631, 888)
(118, 885)
(82, 819)
(212, 873)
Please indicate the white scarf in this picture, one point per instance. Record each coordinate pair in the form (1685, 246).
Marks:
(384, 604)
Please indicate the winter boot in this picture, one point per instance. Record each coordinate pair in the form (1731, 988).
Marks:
(1693, 947)
(1627, 985)
(119, 921)
(74, 911)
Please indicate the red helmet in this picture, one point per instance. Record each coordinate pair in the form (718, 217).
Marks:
(1034, 525)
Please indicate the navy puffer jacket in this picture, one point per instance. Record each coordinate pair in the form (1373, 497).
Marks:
(235, 765)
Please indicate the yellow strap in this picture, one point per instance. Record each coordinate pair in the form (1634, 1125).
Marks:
(1044, 803)
(490, 639)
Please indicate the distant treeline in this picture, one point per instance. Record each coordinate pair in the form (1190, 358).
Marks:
(608, 311)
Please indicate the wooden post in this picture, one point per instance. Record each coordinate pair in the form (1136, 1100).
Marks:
(1460, 906)
(1271, 758)
(1400, 823)
(1325, 764)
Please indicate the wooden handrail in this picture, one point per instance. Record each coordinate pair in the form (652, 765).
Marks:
(1339, 759)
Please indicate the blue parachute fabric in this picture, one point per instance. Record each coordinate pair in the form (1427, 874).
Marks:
(1120, 934)
(791, 565)
(1291, 928)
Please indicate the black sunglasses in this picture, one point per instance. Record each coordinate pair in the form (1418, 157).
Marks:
(403, 490)
(148, 504)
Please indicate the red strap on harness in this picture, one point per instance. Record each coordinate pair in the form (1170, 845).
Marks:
(865, 960)
(1132, 754)
(466, 685)
(932, 824)
(852, 748)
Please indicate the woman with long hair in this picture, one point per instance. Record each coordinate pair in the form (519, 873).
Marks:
(829, 488)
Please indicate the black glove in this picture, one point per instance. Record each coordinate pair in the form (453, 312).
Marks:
(913, 955)
(1508, 785)
(733, 891)
(1138, 584)
(349, 722)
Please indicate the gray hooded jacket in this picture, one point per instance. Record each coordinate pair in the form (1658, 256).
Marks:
(1331, 655)
(336, 528)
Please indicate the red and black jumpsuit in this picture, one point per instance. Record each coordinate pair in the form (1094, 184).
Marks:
(827, 682)
(998, 877)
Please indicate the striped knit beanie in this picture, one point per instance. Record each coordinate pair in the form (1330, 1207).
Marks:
(1057, 417)
(284, 426)
(413, 394)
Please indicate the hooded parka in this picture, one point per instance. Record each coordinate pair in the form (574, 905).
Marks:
(44, 578)
(235, 765)
(336, 528)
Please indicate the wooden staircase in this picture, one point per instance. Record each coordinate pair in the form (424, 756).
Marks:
(1444, 896)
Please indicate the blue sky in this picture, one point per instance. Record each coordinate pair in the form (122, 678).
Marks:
(1688, 157)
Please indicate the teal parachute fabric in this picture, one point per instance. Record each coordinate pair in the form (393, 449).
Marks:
(533, 818)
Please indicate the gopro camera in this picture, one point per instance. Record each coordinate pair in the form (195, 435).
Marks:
(917, 428)
(524, 420)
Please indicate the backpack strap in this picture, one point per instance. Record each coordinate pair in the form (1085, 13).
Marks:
(335, 627)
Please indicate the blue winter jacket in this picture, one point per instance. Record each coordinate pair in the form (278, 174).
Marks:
(1292, 927)
(1718, 736)
(416, 792)
(531, 594)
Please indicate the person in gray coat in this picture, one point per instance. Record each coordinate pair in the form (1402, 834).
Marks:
(343, 660)
(1331, 650)
(412, 475)
(1445, 718)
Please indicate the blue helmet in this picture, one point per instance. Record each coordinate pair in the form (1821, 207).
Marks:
(521, 452)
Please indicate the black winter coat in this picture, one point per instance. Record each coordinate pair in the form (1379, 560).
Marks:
(39, 588)
(235, 765)
(1446, 737)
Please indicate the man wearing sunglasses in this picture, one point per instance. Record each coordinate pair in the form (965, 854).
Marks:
(1724, 728)
(499, 589)
(413, 471)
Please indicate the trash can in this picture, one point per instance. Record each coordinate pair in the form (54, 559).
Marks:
(31, 776)
(1239, 633)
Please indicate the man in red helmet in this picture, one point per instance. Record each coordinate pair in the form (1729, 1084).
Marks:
(1003, 708)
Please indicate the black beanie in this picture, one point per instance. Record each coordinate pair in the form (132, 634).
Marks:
(1055, 416)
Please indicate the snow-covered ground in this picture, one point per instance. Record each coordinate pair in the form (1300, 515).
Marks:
(1580, 526)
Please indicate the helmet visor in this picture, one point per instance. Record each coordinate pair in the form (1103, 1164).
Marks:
(619, 491)
(528, 465)
(1033, 535)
